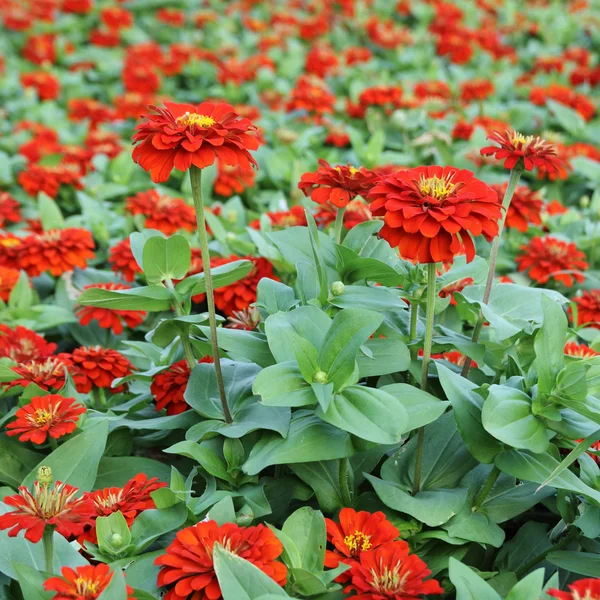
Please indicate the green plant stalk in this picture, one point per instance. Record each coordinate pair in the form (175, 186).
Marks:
(429, 318)
(52, 443)
(339, 224)
(513, 181)
(48, 542)
(196, 181)
(571, 536)
(343, 481)
(487, 488)
(414, 320)
(188, 351)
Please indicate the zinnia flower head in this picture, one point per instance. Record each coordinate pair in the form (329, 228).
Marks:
(21, 344)
(48, 373)
(584, 589)
(187, 566)
(247, 319)
(8, 280)
(357, 212)
(98, 367)
(430, 213)
(49, 504)
(122, 261)
(588, 308)
(284, 219)
(162, 212)
(82, 583)
(336, 185)
(550, 258)
(10, 209)
(390, 572)
(579, 350)
(110, 318)
(51, 415)
(181, 135)
(514, 148)
(525, 207)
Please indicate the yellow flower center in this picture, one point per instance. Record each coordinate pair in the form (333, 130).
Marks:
(194, 119)
(357, 542)
(389, 581)
(10, 242)
(436, 187)
(86, 586)
(42, 417)
(518, 139)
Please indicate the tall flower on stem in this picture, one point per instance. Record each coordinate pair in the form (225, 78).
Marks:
(188, 137)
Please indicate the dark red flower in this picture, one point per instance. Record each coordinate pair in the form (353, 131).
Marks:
(82, 583)
(51, 415)
(513, 147)
(122, 261)
(579, 350)
(525, 207)
(10, 209)
(336, 185)
(390, 572)
(549, 258)
(181, 135)
(98, 367)
(430, 213)
(588, 309)
(21, 344)
(583, 589)
(187, 566)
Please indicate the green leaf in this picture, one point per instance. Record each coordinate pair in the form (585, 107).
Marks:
(138, 240)
(169, 329)
(549, 345)
(165, 259)
(529, 587)
(17, 461)
(151, 524)
(469, 586)
(240, 344)
(116, 589)
(306, 527)
(274, 296)
(323, 478)
(119, 470)
(508, 417)
(49, 213)
(368, 413)
(153, 298)
(207, 459)
(349, 330)
(583, 563)
(569, 119)
(475, 527)
(31, 582)
(222, 276)
(223, 511)
(382, 356)
(240, 579)
(283, 385)
(309, 439)
(378, 299)
(21, 296)
(76, 461)
(359, 235)
(141, 572)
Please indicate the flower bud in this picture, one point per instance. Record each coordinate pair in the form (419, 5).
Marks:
(116, 540)
(320, 377)
(584, 201)
(337, 288)
(230, 236)
(44, 475)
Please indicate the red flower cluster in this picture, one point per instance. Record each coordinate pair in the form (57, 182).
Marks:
(313, 96)
(233, 180)
(10, 209)
(588, 309)
(37, 178)
(122, 261)
(45, 84)
(82, 583)
(295, 217)
(579, 102)
(21, 344)
(98, 367)
(162, 212)
(430, 213)
(525, 207)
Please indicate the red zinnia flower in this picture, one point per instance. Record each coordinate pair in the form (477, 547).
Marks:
(48, 505)
(51, 415)
(554, 207)
(21, 344)
(357, 212)
(56, 251)
(40, 49)
(247, 319)
(337, 185)
(188, 562)
(162, 212)
(453, 356)
(426, 209)
(81, 109)
(476, 90)
(38, 178)
(390, 572)
(284, 219)
(233, 180)
(356, 533)
(457, 286)
(98, 367)
(82, 583)
(549, 258)
(525, 207)
(588, 308)
(182, 135)
(45, 84)
(312, 96)
(8, 280)
(109, 318)
(48, 374)
(514, 147)
(584, 589)
(122, 261)
(10, 209)
(168, 387)
(579, 350)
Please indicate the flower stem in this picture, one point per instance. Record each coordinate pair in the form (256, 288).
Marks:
(188, 351)
(571, 536)
(513, 181)
(339, 224)
(53, 444)
(48, 542)
(487, 488)
(196, 181)
(414, 320)
(343, 481)
(429, 317)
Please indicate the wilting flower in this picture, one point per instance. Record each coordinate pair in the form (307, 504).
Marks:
(82, 583)
(579, 350)
(50, 504)
(247, 319)
(525, 207)
(390, 572)
(98, 367)
(182, 135)
(356, 532)
(513, 147)
(584, 589)
(549, 258)
(122, 261)
(588, 308)
(188, 568)
(168, 387)
(21, 344)
(430, 213)
(8, 280)
(162, 212)
(48, 374)
(56, 251)
(336, 185)
(51, 415)
(10, 209)
(109, 318)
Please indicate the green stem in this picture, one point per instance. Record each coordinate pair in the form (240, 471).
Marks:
(429, 318)
(487, 488)
(343, 480)
(339, 224)
(47, 540)
(513, 181)
(53, 444)
(196, 181)
(414, 320)
(188, 351)
(524, 569)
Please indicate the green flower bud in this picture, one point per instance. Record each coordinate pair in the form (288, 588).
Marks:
(337, 288)
(116, 540)
(584, 202)
(320, 377)
(230, 236)
(44, 475)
